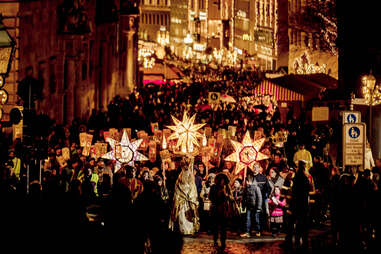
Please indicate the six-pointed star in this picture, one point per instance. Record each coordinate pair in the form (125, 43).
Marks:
(124, 151)
(247, 153)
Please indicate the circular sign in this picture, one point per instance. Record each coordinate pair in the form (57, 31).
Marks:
(354, 132)
(248, 155)
(351, 118)
(214, 96)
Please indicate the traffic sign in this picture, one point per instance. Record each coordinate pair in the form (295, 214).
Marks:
(351, 117)
(214, 97)
(354, 139)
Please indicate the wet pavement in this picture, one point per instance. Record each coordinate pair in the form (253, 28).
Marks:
(266, 244)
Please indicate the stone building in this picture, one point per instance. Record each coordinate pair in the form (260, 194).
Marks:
(155, 21)
(83, 52)
(312, 34)
(9, 10)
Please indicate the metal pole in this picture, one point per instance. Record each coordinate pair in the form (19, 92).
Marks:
(40, 171)
(27, 179)
(30, 94)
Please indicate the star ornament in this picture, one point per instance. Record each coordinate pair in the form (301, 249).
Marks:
(124, 151)
(247, 153)
(186, 133)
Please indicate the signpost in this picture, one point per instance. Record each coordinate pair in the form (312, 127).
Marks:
(351, 117)
(354, 139)
(214, 98)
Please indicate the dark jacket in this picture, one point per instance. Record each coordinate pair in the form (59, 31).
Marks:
(252, 197)
(263, 184)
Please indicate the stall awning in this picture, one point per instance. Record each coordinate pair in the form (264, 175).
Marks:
(278, 92)
(296, 87)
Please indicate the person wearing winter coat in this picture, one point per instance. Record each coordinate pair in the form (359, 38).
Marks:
(252, 200)
(276, 205)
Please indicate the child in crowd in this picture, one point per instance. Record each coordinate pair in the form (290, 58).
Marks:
(276, 211)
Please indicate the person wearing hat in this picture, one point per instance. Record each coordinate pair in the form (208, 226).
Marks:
(303, 154)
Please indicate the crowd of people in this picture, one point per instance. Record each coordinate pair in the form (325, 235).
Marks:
(155, 201)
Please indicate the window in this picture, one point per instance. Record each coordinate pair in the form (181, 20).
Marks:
(149, 19)
(84, 71)
(306, 40)
(161, 19)
(157, 19)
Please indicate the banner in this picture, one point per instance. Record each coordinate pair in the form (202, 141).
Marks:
(82, 139)
(231, 131)
(66, 153)
(87, 147)
(320, 114)
(100, 149)
(114, 134)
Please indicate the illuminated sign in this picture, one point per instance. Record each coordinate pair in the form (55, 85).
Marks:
(303, 65)
(163, 28)
(199, 47)
(264, 37)
(239, 51)
(246, 37)
(202, 15)
(241, 13)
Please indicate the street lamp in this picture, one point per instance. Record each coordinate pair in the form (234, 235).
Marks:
(7, 48)
(372, 95)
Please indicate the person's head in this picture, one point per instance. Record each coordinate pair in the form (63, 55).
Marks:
(237, 183)
(277, 158)
(366, 174)
(11, 154)
(130, 171)
(145, 175)
(101, 163)
(301, 147)
(211, 178)
(257, 169)
(250, 178)
(276, 190)
(272, 173)
(301, 166)
(221, 179)
(378, 163)
(92, 162)
(158, 180)
(58, 152)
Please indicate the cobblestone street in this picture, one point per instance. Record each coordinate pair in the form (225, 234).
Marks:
(203, 243)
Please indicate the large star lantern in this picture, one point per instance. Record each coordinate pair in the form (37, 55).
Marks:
(247, 153)
(186, 133)
(124, 151)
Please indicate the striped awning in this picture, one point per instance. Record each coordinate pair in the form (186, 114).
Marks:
(279, 93)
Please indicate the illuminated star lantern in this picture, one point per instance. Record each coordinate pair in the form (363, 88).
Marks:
(124, 151)
(247, 153)
(186, 133)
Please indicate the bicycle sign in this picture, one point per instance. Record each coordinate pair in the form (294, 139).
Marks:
(354, 136)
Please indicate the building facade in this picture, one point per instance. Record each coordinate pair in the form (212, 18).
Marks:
(10, 12)
(155, 21)
(310, 47)
(84, 59)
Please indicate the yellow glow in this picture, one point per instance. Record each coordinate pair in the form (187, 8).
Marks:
(247, 153)
(186, 133)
